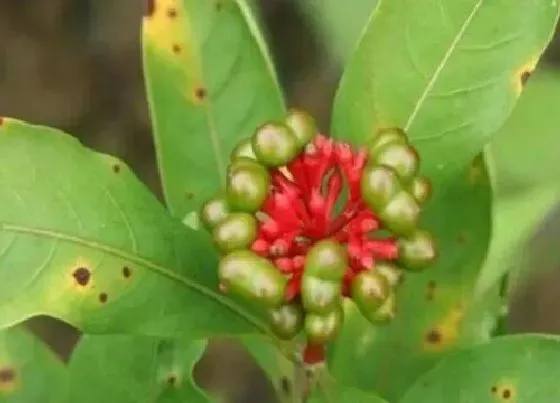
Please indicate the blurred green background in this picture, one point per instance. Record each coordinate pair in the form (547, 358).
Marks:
(75, 65)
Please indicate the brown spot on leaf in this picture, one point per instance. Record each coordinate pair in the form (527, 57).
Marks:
(506, 393)
(149, 7)
(103, 297)
(444, 333)
(430, 290)
(171, 12)
(176, 48)
(523, 73)
(434, 336)
(200, 93)
(1, 120)
(82, 276)
(116, 168)
(494, 389)
(126, 272)
(525, 77)
(7, 375)
(171, 380)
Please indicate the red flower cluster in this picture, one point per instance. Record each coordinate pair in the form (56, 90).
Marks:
(301, 210)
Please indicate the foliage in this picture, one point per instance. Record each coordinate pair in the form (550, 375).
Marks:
(84, 241)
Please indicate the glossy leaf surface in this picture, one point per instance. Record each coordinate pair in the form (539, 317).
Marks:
(210, 83)
(450, 78)
(520, 369)
(436, 312)
(29, 371)
(129, 369)
(81, 239)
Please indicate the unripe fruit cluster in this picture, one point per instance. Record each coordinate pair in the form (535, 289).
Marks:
(292, 243)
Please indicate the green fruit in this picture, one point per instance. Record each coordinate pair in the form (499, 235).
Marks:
(391, 272)
(237, 231)
(243, 150)
(286, 321)
(379, 185)
(401, 214)
(401, 157)
(247, 186)
(326, 260)
(213, 212)
(320, 296)
(370, 290)
(323, 328)
(303, 126)
(421, 189)
(417, 251)
(248, 275)
(274, 144)
(392, 135)
(386, 312)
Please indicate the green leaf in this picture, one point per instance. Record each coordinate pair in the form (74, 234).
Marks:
(29, 371)
(436, 312)
(280, 371)
(81, 239)
(516, 218)
(339, 27)
(525, 149)
(210, 83)
(520, 369)
(335, 393)
(449, 78)
(130, 369)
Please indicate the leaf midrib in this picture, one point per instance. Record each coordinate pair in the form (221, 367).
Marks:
(442, 64)
(162, 270)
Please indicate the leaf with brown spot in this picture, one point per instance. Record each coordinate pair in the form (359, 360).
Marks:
(450, 78)
(210, 83)
(68, 225)
(150, 369)
(428, 325)
(508, 369)
(29, 370)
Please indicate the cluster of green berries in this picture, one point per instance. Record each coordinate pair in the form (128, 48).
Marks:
(292, 243)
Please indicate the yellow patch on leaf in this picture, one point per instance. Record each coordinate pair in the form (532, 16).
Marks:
(523, 73)
(445, 333)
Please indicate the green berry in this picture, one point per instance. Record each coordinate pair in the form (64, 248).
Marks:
(401, 157)
(321, 328)
(417, 251)
(303, 126)
(286, 321)
(421, 189)
(318, 295)
(237, 231)
(326, 260)
(243, 150)
(401, 214)
(390, 271)
(250, 276)
(275, 144)
(370, 290)
(379, 185)
(213, 212)
(392, 135)
(247, 185)
(386, 312)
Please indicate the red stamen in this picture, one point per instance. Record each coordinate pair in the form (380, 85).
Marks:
(313, 353)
